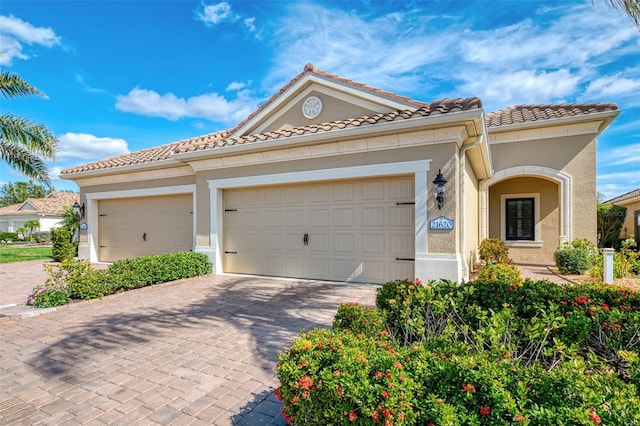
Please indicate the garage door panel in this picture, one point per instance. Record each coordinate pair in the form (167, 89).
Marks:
(373, 244)
(373, 216)
(294, 218)
(319, 242)
(343, 217)
(373, 271)
(401, 245)
(355, 230)
(319, 218)
(373, 191)
(133, 227)
(346, 269)
(401, 189)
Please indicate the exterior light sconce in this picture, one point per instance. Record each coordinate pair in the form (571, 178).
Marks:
(78, 210)
(439, 182)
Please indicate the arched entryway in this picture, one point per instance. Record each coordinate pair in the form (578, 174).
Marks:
(529, 208)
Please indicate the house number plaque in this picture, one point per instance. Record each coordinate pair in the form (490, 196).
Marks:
(441, 223)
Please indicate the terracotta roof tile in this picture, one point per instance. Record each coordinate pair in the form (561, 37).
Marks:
(624, 197)
(310, 69)
(437, 107)
(49, 206)
(528, 113)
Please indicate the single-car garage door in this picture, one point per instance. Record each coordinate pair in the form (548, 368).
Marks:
(356, 230)
(132, 227)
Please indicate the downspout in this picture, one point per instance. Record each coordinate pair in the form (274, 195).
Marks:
(463, 168)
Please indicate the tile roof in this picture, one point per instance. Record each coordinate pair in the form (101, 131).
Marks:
(437, 107)
(221, 139)
(47, 206)
(310, 69)
(625, 197)
(528, 113)
(511, 115)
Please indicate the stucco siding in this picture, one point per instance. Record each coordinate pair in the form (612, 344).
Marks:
(548, 216)
(629, 227)
(471, 213)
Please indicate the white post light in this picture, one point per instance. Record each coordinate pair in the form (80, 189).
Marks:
(608, 265)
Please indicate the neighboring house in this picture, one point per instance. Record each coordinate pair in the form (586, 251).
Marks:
(332, 179)
(48, 211)
(630, 200)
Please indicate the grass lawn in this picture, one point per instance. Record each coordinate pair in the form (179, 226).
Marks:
(19, 253)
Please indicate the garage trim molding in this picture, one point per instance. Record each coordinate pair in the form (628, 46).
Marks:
(418, 168)
(89, 250)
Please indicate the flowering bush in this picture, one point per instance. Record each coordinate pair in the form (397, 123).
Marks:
(493, 250)
(47, 296)
(481, 353)
(500, 273)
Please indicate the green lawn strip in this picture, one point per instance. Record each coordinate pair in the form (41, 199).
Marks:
(9, 254)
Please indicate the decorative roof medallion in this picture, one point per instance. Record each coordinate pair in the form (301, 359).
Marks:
(312, 107)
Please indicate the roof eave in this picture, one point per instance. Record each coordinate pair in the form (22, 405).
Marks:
(121, 169)
(605, 116)
(431, 121)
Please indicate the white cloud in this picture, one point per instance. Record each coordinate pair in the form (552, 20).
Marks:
(214, 14)
(210, 106)
(552, 59)
(86, 147)
(392, 51)
(613, 86)
(236, 85)
(250, 23)
(621, 155)
(15, 33)
(523, 87)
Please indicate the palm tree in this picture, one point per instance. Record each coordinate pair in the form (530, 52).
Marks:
(31, 224)
(24, 145)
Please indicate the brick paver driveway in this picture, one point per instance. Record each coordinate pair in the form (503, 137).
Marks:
(196, 351)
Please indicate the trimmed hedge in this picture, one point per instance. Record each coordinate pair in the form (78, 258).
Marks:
(79, 280)
(8, 236)
(477, 353)
(63, 246)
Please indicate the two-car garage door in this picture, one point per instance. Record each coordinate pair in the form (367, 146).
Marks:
(132, 227)
(356, 230)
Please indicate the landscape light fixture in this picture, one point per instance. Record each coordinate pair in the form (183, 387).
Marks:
(439, 182)
(78, 210)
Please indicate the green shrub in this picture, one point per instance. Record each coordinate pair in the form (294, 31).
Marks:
(571, 260)
(42, 237)
(479, 353)
(493, 250)
(503, 273)
(79, 280)
(158, 268)
(8, 236)
(48, 295)
(359, 319)
(63, 247)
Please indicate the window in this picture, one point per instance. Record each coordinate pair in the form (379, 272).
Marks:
(520, 219)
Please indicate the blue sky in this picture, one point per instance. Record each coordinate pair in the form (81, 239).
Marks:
(126, 75)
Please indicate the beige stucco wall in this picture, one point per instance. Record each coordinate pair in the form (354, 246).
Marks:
(629, 226)
(471, 212)
(443, 156)
(332, 109)
(574, 156)
(549, 216)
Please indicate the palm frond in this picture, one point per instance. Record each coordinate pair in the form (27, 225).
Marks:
(23, 160)
(11, 84)
(32, 136)
(630, 7)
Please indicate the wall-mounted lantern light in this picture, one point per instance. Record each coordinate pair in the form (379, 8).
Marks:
(78, 210)
(439, 182)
